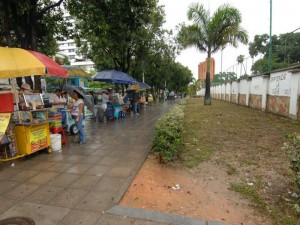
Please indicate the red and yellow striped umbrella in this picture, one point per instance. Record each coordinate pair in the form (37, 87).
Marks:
(17, 62)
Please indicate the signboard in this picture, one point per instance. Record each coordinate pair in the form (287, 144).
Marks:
(4, 121)
(38, 137)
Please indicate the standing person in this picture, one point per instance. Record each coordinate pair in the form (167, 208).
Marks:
(77, 114)
(134, 101)
(105, 99)
(59, 103)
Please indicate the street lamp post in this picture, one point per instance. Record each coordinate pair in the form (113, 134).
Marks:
(270, 42)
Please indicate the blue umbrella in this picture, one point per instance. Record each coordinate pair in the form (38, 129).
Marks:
(144, 86)
(114, 76)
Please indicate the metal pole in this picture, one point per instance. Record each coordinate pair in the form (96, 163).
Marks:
(270, 42)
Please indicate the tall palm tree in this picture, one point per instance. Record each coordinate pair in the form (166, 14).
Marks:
(210, 33)
(240, 59)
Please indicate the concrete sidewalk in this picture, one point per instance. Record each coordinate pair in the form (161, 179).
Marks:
(82, 184)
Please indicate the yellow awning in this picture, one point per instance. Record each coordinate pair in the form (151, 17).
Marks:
(16, 62)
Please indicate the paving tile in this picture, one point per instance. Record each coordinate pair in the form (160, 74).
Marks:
(128, 162)
(8, 172)
(58, 157)
(24, 175)
(94, 146)
(112, 184)
(41, 214)
(6, 204)
(60, 167)
(80, 217)
(86, 182)
(91, 159)
(98, 170)
(87, 151)
(68, 197)
(120, 171)
(42, 165)
(6, 186)
(42, 177)
(109, 219)
(102, 152)
(97, 201)
(107, 160)
(74, 158)
(63, 180)
(79, 168)
(117, 153)
(25, 163)
(44, 194)
(21, 191)
(136, 154)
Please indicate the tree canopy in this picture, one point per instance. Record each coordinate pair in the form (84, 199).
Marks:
(116, 34)
(32, 24)
(285, 48)
(128, 36)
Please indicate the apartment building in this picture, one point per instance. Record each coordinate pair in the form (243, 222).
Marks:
(68, 48)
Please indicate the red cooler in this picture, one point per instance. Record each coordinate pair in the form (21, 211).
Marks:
(6, 102)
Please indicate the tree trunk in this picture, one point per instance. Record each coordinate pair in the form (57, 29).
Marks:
(207, 98)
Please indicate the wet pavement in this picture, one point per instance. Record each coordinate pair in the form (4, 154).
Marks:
(82, 184)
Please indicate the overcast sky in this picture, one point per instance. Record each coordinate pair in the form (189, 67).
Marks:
(255, 19)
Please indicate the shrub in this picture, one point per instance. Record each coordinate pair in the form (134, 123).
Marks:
(168, 134)
(292, 147)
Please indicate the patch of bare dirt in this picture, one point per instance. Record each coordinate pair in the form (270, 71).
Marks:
(203, 194)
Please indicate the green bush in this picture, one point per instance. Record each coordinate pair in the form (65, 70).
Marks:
(292, 147)
(168, 134)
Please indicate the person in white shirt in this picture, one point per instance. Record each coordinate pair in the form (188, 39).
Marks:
(105, 99)
(56, 100)
(77, 114)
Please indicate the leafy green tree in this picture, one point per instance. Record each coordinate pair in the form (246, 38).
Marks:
(128, 36)
(194, 87)
(286, 51)
(62, 60)
(31, 24)
(180, 78)
(240, 59)
(210, 33)
(224, 77)
(117, 33)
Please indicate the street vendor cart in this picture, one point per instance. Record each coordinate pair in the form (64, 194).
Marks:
(27, 129)
(32, 131)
